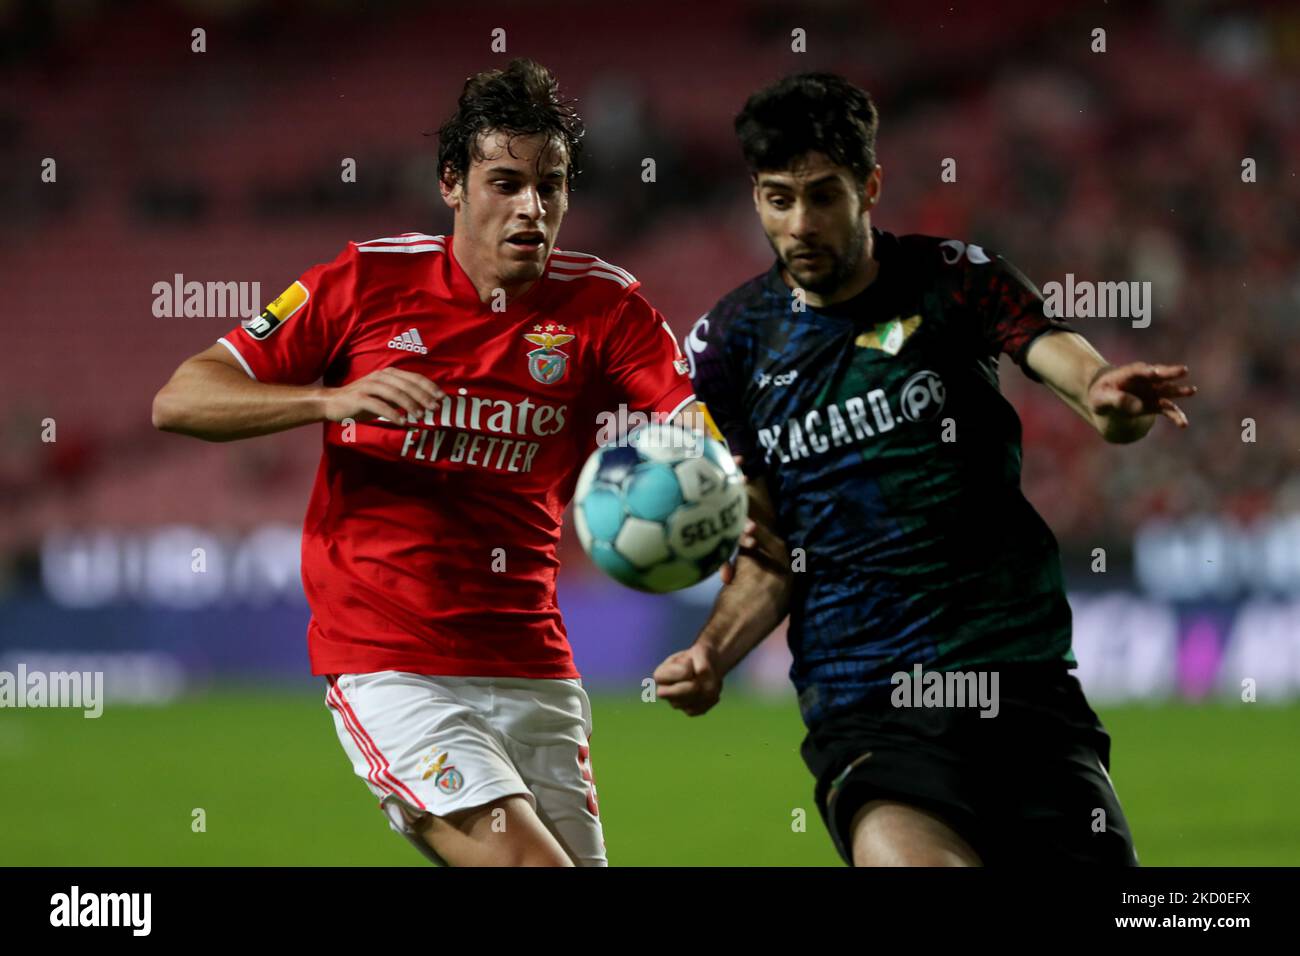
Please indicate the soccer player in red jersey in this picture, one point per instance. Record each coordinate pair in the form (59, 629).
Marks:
(462, 380)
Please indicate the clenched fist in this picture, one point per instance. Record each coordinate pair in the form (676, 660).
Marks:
(690, 680)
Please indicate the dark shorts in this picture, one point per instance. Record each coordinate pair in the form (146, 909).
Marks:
(1029, 785)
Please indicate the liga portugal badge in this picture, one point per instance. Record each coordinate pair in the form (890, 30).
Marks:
(547, 364)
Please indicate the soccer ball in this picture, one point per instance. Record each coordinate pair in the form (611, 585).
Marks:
(661, 511)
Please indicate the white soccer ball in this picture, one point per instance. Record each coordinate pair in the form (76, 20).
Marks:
(662, 510)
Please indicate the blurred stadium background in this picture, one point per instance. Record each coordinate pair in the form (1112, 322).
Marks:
(225, 166)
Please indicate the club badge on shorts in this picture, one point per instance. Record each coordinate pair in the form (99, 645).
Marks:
(449, 780)
(548, 364)
(446, 778)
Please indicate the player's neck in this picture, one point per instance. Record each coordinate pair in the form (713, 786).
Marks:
(485, 280)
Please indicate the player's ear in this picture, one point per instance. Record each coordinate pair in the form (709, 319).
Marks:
(450, 186)
(754, 182)
(871, 188)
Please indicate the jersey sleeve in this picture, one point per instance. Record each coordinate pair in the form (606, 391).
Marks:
(301, 332)
(646, 369)
(718, 390)
(1009, 307)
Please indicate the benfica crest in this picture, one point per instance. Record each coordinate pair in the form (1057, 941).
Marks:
(547, 364)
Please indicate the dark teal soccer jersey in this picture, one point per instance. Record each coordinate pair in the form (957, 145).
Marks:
(894, 463)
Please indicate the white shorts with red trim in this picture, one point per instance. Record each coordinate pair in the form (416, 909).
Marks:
(436, 745)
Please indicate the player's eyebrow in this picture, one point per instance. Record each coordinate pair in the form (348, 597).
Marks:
(766, 182)
(511, 171)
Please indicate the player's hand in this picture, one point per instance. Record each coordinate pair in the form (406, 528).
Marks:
(388, 392)
(690, 680)
(1139, 390)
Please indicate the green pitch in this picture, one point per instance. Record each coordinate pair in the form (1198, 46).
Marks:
(1205, 785)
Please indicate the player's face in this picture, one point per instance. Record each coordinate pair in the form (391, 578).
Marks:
(816, 218)
(509, 210)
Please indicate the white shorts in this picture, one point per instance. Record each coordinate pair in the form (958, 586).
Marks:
(436, 745)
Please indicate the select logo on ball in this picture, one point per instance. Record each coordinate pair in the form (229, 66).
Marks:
(710, 527)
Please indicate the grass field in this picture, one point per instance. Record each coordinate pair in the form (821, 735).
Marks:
(1206, 785)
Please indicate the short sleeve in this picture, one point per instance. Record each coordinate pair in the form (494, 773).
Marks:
(718, 391)
(645, 368)
(299, 334)
(1009, 307)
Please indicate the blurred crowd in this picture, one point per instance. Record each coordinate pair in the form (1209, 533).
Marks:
(1122, 165)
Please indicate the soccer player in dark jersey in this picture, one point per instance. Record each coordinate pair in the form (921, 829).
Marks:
(857, 381)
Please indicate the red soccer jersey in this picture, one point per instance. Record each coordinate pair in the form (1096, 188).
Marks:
(430, 546)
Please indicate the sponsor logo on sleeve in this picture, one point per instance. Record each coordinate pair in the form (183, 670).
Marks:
(278, 312)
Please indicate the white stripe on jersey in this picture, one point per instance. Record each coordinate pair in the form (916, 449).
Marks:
(583, 258)
(686, 401)
(563, 277)
(415, 335)
(235, 352)
(570, 276)
(570, 261)
(408, 237)
(431, 247)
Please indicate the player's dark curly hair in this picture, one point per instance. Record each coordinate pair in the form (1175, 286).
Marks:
(521, 100)
(809, 112)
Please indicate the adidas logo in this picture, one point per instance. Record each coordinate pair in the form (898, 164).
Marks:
(409, 341)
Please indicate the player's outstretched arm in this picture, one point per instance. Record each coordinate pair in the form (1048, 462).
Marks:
(750, 606)
(210, 397)
(1121, 402)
